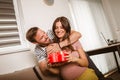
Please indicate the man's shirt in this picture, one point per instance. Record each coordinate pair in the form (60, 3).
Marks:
(40, 52)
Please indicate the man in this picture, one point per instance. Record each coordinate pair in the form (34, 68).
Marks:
(44, 44)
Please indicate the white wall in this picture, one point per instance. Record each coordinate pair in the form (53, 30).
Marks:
(115, 7)
(16, 61)
(113, 13)
(35, 13)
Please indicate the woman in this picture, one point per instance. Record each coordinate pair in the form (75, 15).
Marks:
(76, 67)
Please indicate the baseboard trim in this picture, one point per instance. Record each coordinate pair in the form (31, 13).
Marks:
(110, 72)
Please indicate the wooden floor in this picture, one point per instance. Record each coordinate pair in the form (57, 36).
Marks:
(115, 76)
(28, 74)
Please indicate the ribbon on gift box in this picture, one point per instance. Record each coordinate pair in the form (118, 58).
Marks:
(57, 57)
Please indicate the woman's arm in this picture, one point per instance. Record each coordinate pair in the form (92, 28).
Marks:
(81, 59)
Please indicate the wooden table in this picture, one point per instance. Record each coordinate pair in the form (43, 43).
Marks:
(110, 48)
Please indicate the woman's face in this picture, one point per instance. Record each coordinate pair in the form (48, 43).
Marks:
(59, 30)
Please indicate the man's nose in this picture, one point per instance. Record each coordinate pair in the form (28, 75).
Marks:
(45, 35)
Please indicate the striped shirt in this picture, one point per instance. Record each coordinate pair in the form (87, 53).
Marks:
(40, 52)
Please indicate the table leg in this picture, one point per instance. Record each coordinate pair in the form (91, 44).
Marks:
(118, 48)
(116, 62)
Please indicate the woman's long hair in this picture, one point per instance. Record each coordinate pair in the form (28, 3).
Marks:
(66, 26)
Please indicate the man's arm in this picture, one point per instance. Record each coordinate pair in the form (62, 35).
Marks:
(74, 36)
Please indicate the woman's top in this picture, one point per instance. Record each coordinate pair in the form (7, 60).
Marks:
(72, 70)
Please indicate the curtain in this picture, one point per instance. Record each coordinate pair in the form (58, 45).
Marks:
(89, 19)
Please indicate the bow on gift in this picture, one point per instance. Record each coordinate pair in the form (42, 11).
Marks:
(57, 57)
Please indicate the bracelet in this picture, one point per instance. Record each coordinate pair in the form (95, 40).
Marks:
(59, 45)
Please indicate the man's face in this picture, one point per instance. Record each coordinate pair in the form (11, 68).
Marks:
(42, 38)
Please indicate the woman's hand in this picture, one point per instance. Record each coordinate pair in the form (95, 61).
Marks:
(72, 58)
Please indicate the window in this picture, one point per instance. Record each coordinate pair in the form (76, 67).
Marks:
(9, 34)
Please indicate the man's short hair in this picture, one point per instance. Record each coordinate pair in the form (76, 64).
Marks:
(31, 33)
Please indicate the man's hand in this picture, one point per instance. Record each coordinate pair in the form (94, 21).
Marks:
(55, 65)
(53, 48)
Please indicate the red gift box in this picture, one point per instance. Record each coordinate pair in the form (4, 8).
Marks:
(57, 57)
